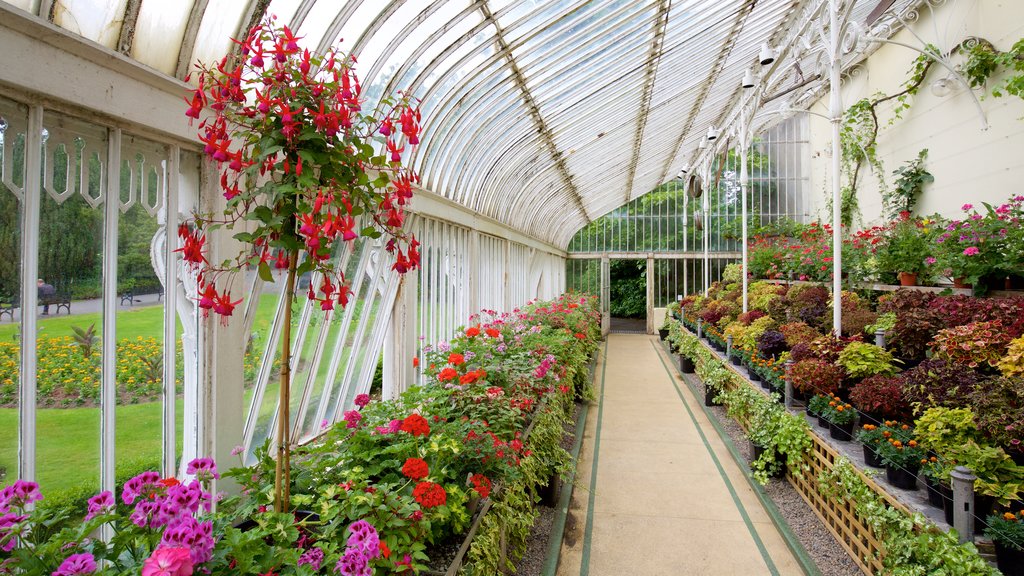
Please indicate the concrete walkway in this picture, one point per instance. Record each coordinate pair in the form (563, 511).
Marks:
(658, 492)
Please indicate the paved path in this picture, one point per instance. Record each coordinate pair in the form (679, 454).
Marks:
(92, 306)
(658, 492)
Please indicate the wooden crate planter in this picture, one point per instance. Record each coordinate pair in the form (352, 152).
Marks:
(840, 517)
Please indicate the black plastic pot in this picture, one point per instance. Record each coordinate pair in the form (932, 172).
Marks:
(662, 333)
(871, 457)
(736, 361)
(758, 450)
(822, 421)
(754, 376)
(901, 478)
(934, 492)
(1009, 560)
(709, 396)
(686, 365)
(841, 432)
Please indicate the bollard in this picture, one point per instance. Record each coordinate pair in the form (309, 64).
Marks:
(728, 346)
(700, 328)
(880, 338)
(789, 385)
(962, 481)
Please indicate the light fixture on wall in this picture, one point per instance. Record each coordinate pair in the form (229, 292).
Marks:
(712, 134)
(944, 86)
(702, 144)
(767, 55)
(748, 79)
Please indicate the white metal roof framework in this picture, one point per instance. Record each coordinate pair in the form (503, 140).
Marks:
(543, 115)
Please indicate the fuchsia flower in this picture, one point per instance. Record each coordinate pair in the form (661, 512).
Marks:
(100, 504)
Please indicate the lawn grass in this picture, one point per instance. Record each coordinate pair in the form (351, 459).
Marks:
(68, 445)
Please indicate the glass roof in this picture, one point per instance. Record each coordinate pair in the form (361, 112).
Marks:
(544, 115)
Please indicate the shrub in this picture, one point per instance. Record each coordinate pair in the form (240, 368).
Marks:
(938, 383)
(801, 351)
(882, 396)
(975, 344)
(904, 300)
(814, 376)
(857, 315)
(913, 332)
(755, 330)
(771, 344)
(998, 403)
(1013, 363)
(807, 303)
(828, 347)
(861, 359)
(958, 309)
(798, 332)
(748, 317)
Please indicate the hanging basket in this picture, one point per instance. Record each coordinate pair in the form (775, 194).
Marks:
(694, 187)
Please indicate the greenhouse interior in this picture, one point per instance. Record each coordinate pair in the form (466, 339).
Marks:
(495, 287)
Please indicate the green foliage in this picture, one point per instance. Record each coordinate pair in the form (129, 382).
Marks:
(85, 339)
(984, 61)
(628, 288)
(913, 546)
(910, 181)
(861, 360)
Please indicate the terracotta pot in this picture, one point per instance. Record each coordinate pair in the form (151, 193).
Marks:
(907, 279)
(960, 282)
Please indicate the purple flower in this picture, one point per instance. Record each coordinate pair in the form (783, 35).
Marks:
(364, 538)
(100, 504)
(237, 450)
(930, 260)
(142, 483)
(352, 418)
(204, 469)
(313, 557)
(353, 563)
(77, 564)
(966, 207)
(187, 532)
(8, 523)
(971, 251)
(362, 400)
(19, 494)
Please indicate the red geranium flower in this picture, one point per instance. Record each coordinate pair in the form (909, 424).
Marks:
(429, 494)
(473, 331)
(456, 359)
(492, 332)
(416, 425)
(415, 468)
(481, 484)
(447, 374)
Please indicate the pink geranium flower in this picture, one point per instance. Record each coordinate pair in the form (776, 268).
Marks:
(168, 562)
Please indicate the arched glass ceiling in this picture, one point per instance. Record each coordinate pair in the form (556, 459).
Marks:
(541, 114)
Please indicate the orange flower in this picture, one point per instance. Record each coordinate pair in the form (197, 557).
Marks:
(886, 433)
(1009, 516)
(897, 443)
(912, 443)
(840, 408)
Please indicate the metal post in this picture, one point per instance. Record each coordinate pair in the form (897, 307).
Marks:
(836, 113)
(743, 201)
(963, 502)
(700, 328)
(789, 384)
(728, 346)
(880, 338)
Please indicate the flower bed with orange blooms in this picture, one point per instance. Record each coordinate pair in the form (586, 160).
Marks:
(387, 486)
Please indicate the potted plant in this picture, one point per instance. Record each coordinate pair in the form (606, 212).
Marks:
(1007, 532)
(935, 472)
(817, 406)
(300, 176)
(688, 346)
(814, 376)
(841, 417)
(998, 402)
(871, 437)
(905, 251)
(902, 455)
(860, 360)
(879, 398)
(978, 344)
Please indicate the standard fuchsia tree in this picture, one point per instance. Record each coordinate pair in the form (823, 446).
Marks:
(299, 171)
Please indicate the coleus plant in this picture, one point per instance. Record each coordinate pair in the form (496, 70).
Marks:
(300, 175)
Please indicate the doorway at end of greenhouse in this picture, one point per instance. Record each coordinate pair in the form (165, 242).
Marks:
(628, 283)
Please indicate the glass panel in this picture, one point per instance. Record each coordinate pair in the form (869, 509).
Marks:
(13, 125)
(319, 20)
(283, 9)
(219, 26)
(70, 288)
(159, 32)
(140, 311)
(97, 20)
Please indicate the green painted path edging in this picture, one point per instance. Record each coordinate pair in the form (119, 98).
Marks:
(585, 559)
